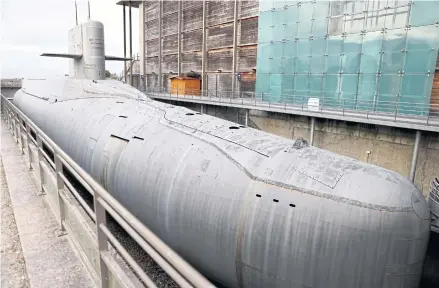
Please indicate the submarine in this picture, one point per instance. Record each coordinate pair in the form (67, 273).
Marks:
(244, 207)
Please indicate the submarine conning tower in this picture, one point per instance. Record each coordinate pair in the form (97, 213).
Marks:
(87, 39)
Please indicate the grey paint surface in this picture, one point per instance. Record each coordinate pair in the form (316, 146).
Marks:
(247, 208)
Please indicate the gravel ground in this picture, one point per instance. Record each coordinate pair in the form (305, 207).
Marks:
(13, 268)
(154, 271)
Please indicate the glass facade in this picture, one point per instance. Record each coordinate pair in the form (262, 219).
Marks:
(364, 55)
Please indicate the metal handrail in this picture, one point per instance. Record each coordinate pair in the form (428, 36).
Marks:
(175, 266)
(433, 199)
(396, 110)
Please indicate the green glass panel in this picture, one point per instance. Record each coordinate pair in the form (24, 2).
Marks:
(422, 49)
(354, 23)
(335, 45)
(276, 49)
(263, 65)
(375, 20)
(351, 53)
(305, 11)
(366, 92)
(304, 29)
(275, 65)
(367, 84)
(290, 49)
(301, 88)
(265, 23)
(291, 15)
(332, 90)
(291, 32)
(321, 9)
(349, 84)
(388, 88)
(371, 52)
(279, 23)
(424, 12)
(399, 16)
(302, 64)
(303, 47)
(334, 49)
(319, 27)
(417, 86)
(318, 46)
(394, 42)
(288, 66)
(262, 83)
(315, 86)
(287, 84)
(317, 64)
(291, 3)
(275, 80)
(265, 5)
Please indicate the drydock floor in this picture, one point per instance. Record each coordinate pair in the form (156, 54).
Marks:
(33, 253)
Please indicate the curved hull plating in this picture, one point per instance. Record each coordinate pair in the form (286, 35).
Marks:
(247, 208)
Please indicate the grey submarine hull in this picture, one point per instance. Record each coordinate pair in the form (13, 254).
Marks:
(246, 208)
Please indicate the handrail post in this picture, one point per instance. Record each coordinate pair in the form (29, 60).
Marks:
(14, 130)
(40, 160)
(17, 129)
(8, 112)
(28, 141)
(59, 187)
(20, 130)
(102, 238)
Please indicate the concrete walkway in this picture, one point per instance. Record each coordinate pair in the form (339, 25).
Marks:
(50, 260)
(13, 269)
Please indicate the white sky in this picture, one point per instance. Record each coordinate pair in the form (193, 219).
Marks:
(31, 27)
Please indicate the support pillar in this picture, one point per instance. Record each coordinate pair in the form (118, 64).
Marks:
(204, 52)
(160, 45)
(203, 109)
(311, 135)
(131, 45)
(142, 80)
(415, 156)
(179, 39)
(124, 45)
(235, 42)
(246, 117)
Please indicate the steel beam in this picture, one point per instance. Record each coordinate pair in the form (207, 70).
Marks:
(142, 53)
(415, 156)
(179, 39)
(235, 43)
(160, 43)
(204, 52)
(124, 45)
(311, 134)
(131, 45)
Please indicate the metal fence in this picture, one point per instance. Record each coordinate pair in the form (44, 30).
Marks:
(176, 267)
(426, 114)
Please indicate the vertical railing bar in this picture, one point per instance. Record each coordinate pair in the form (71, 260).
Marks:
(100, 215)
(59, 187)
(21, 129)
(28, 141)
(40, 159)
